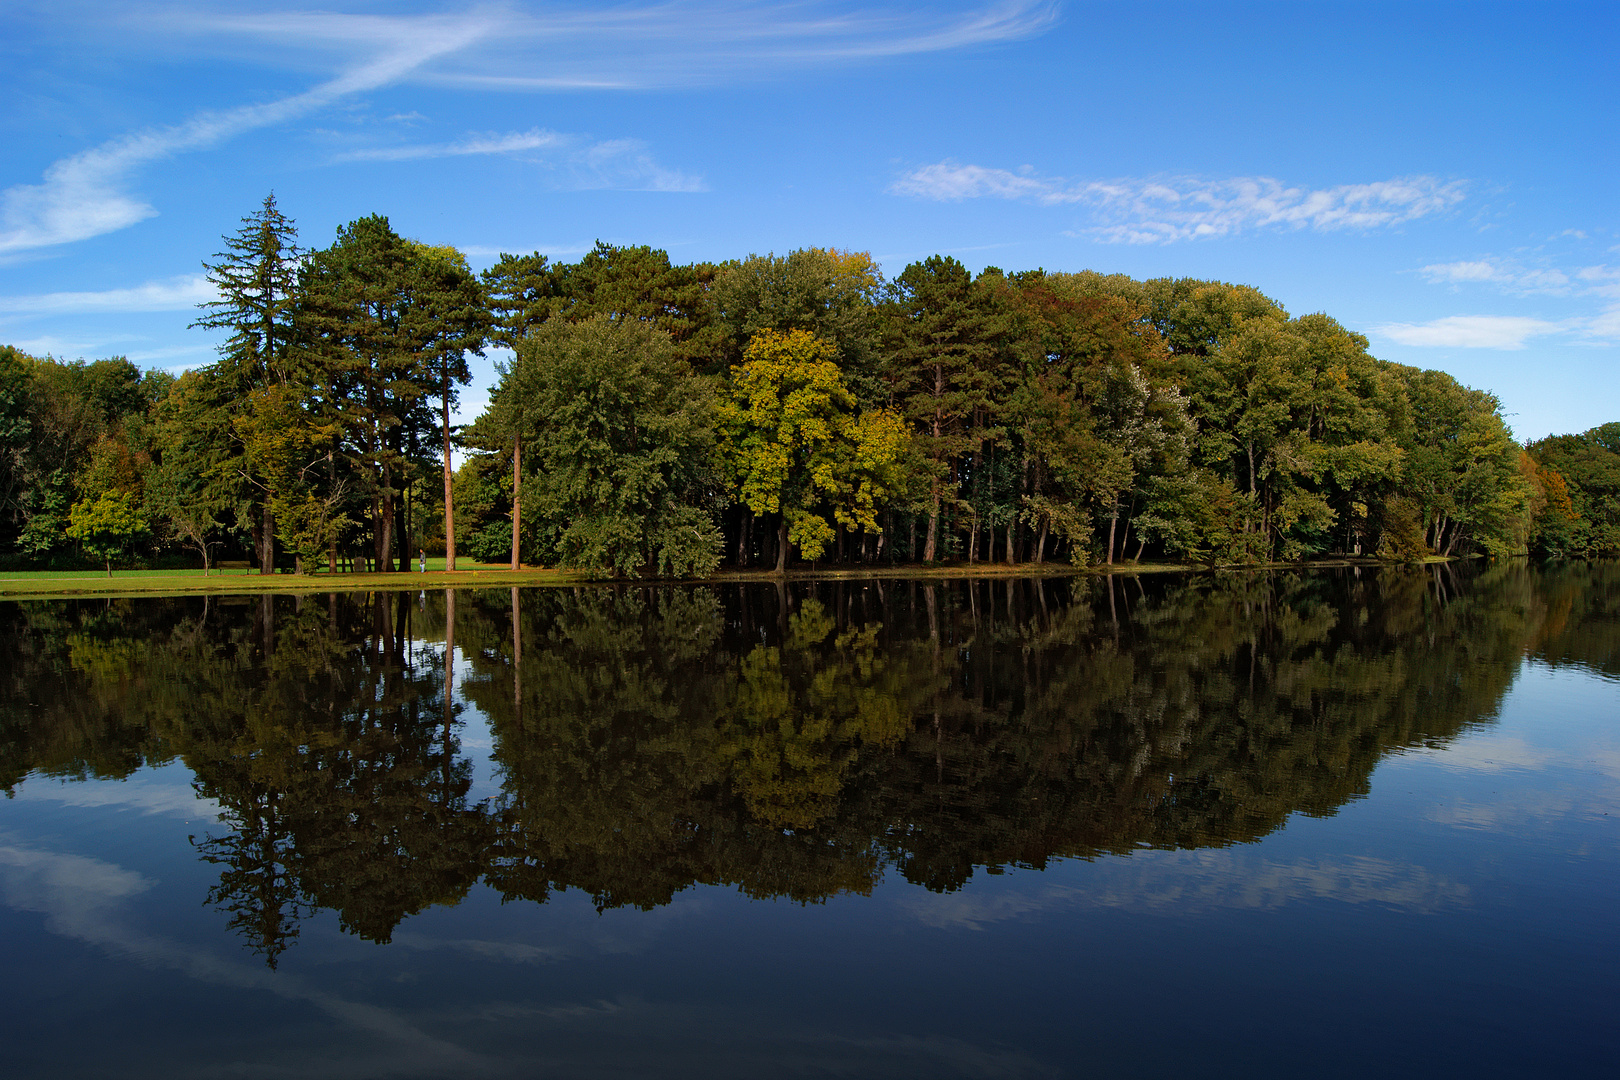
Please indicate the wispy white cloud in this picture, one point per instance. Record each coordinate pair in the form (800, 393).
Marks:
(658, 44)
(1501, 272)
(172, 294)
(629, 164)
(1470, 332)
(84, 195)
(1509, 275)
(1158, 210)
(511, 143)
(646, 45)
(614, 163)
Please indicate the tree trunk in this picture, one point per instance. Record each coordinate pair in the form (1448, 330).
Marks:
(331, 545)
(930, 542)
(403, 531)
(267, 542)
(385, 524)
(1113, 523)
(782, 545)
(517, 505)
(449, 497)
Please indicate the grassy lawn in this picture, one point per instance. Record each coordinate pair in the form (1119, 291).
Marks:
(42, 584)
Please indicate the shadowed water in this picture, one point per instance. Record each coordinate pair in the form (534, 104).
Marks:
(892, 828)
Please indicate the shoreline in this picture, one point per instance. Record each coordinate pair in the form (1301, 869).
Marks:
(49, 586)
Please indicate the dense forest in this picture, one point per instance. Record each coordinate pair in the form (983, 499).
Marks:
(657, 419)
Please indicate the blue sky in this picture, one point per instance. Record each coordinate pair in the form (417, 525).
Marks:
(1439, 177)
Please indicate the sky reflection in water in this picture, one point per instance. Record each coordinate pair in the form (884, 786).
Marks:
(1259, 825)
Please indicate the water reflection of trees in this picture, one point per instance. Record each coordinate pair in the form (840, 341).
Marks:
(795, 741)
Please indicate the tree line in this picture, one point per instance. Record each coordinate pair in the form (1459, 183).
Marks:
(663, 419)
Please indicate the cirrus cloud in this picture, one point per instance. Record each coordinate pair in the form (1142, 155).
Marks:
(1509, 332)
(88, 194)
(173, 294)
(1158, 210)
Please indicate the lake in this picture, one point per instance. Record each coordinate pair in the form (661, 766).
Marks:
(1327, 823)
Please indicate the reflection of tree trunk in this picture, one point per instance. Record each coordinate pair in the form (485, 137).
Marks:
(267, 625)
(449, 678)
(402, 611)
(1113, 613)
(449, 646)
(517, 662)
(933, 616)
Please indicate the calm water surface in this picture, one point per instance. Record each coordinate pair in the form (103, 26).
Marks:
(1328, 824)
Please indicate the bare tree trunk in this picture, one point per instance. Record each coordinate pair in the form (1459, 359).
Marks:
(331, 545)
(1113, 522)
(267, 542)
(929, 543)
(782, 545)
(517, 503)
(1012, 553)
(449, 496)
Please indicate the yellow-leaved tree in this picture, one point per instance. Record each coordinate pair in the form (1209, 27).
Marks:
(795, 447)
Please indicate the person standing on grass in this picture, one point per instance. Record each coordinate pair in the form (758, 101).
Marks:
(421, 555)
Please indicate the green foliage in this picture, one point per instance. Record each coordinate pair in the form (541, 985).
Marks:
(822, 291)
(108, 525)
(1017, 417)
(256, 278)
(1580, 475)
(618, 433)
(795, 447)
